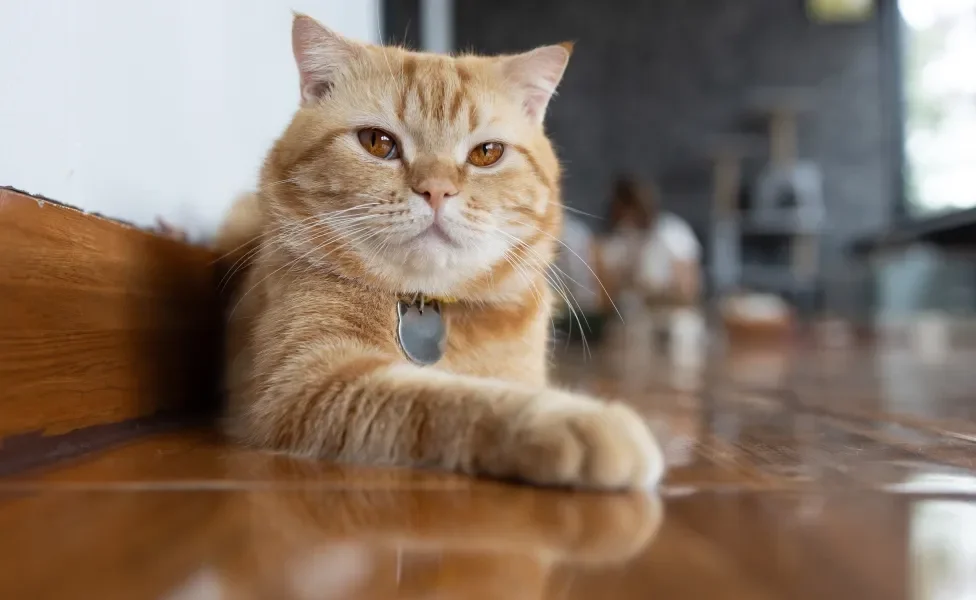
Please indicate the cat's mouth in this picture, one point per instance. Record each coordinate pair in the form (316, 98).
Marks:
(435, 233)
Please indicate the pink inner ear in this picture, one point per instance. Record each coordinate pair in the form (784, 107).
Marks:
(537, 74)
(535, 102)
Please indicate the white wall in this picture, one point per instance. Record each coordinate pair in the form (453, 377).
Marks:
(138, 109)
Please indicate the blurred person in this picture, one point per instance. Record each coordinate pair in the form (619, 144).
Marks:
(650, 263)
(648, 250)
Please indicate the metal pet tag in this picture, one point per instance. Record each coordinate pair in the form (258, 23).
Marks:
(420, 331)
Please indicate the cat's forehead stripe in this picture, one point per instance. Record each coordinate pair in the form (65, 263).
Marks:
(472, 116)
(437, 90)
(409, 71)
(440, 87)
(456, 103)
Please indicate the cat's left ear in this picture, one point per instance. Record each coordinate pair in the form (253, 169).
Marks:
(536, 74)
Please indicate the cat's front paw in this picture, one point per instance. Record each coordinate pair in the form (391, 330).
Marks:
(562, 439)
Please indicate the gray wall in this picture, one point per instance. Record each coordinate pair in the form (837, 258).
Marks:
(652, 80)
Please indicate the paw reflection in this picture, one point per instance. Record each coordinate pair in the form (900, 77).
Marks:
(488, 541)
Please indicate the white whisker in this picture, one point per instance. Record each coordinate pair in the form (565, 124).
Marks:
(585, 264)
(558, 286)
(289, 265)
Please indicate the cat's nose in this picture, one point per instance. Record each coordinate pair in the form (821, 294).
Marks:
(436, 191)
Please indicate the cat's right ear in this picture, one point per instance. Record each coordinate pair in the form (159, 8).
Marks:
(321, 54)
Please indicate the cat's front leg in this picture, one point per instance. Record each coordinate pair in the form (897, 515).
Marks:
(376, 409)
(566, 439)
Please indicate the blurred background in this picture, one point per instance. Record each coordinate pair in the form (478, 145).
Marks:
(820, 150)
(798, 160)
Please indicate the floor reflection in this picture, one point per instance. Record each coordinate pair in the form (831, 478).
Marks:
(943, 550)
(490, 541)
(779, 415)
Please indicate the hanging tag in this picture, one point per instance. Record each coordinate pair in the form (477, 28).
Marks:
(420, 331)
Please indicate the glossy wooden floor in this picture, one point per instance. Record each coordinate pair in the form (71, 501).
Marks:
(831, 474)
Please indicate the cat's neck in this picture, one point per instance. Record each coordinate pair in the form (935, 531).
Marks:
(506, 284)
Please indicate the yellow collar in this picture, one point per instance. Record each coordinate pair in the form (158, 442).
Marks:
(425, 300)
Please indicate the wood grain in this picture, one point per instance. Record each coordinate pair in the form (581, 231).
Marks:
(831, 478)
(100, 322)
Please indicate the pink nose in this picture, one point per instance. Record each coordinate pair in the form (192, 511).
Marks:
(436, 191)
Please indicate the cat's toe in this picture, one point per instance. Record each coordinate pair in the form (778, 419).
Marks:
(648, 464)
(619, 450)
(549, 452)
(587, 444)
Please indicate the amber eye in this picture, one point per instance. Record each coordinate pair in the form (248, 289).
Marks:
(485, 155)
(379, 143)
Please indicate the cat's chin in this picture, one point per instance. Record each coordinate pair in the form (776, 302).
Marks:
(434, 239)
(435, 255)
(436, 249)
(433, 262)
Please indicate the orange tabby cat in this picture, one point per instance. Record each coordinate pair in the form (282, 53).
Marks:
(406, 175)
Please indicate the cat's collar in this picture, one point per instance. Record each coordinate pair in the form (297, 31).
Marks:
(422, 301)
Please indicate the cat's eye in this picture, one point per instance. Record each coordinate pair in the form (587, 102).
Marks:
(379, 143)
(487, 154)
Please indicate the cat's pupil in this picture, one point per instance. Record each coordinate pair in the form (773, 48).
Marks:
(372, 139)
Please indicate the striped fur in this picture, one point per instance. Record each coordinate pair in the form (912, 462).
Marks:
(335, 234)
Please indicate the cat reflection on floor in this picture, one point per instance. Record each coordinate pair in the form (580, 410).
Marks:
(448, 543)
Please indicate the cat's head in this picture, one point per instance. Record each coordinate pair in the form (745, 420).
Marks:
(417, 172)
